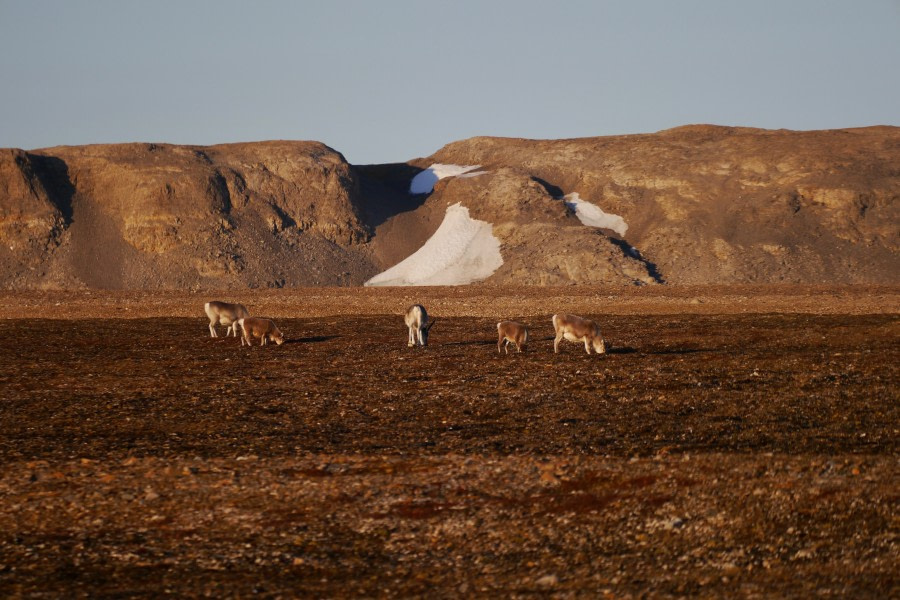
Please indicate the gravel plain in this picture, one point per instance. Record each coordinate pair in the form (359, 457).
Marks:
(735, 441)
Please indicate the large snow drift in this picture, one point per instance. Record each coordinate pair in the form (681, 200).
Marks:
(591, 215)
(461, 251)
(423, 183)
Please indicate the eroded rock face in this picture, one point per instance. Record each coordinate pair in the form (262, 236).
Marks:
(31, 222)
(164, 216)
(542, 242)
(696, 204)
(719, 204)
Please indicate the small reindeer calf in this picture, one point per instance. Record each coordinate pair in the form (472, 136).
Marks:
(511, 332)
(260, 328)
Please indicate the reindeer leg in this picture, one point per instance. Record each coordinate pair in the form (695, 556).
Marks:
(556, 343)
(587, 345)
(212, 330)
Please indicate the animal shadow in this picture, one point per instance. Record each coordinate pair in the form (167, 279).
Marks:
(313, 339)
(621, 350)
(682, 351)
(472, 343)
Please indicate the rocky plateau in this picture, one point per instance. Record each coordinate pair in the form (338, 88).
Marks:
(702, 204)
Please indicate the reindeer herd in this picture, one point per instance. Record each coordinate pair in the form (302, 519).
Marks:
(567, 327)
(236, 316)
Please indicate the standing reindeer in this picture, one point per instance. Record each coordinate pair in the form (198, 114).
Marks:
(226, 314)
(576, 329)
(511, 331)
(419, 325)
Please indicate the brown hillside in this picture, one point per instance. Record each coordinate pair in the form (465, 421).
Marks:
(703, 204)
(542, 242)
(721, 204)
(164, 216)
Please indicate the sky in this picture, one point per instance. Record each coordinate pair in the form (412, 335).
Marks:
(391, 81)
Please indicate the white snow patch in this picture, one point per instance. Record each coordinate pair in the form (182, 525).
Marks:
(591, 215)
(461, 251)
(424, 182)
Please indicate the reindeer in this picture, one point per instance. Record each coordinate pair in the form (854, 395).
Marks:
(511, 331)
(225, 313)
(261, 328)
(576, 329)
(419, 325)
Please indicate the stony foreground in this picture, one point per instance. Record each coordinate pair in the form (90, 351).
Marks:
(725, 455)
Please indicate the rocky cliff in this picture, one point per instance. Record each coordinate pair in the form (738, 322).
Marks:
(721, 204)
(696, 204)
(163, 216)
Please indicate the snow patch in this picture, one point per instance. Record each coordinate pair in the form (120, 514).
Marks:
(591, 215)
(461, 251)
(423, 183)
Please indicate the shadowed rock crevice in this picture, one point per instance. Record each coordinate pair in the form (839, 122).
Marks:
(54, 176)
(553, 190)
(384, 190)
(629, 250)
(220, 191)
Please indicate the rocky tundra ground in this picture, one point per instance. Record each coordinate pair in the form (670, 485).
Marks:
(734, 441)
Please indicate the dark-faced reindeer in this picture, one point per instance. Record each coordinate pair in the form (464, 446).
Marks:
(419, 325)
(225, 314)
(264, 329)
(576, 329)
(511, 332)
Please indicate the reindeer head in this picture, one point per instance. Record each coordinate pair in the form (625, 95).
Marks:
(425, 331)
(277, 337)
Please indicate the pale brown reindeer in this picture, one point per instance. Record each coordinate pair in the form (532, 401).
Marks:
(226, 314)
(511, 332)
(419, 325)
(576, 329)
(260, 328)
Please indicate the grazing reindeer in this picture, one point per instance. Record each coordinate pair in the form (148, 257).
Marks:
(511, 331)
(576, 329)
(226, 314)
(261, 328)
(419, 325)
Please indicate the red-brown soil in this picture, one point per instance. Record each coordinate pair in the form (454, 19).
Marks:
(730, 447)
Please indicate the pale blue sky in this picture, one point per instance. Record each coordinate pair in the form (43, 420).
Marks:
(391, 81)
